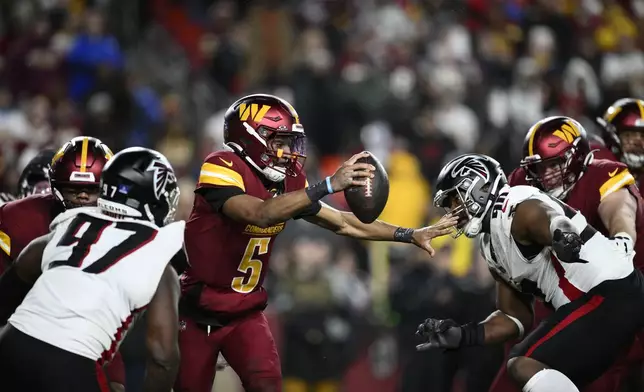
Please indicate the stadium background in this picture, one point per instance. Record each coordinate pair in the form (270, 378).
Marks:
(414, 81)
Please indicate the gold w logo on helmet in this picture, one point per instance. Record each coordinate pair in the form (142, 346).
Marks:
(253, 111)
(567, 132)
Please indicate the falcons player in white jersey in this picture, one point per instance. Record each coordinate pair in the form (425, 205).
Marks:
(536, 245)
(86, 281)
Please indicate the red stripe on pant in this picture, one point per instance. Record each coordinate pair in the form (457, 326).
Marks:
(583, 310)
(101, 379)
(569, 290)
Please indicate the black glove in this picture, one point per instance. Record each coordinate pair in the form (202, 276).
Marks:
(567, 246)
(447, 334)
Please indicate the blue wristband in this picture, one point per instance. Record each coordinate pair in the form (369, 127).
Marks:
(329, 188)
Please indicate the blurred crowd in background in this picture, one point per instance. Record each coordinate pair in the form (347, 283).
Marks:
(413, 81)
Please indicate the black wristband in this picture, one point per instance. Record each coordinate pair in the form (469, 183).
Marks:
(317, 191)
(473, 335)
(403, 235)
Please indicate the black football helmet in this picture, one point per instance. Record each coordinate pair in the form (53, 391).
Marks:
(35, 176)
(139, 183)
(467, 186)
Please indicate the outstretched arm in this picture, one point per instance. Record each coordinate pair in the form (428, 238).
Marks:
(345, 223)
(265, 213)
(16, 282)
(510, 321)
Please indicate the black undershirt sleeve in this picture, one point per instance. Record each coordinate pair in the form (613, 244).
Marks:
(217, 196)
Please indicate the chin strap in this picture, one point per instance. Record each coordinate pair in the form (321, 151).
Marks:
(240, 152)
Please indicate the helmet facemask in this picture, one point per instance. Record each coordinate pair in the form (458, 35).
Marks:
(172, 198)
(632, 144)
(76, 195)
(42, 187)
(470, 200)
(34, 185)
(622, 128)
(556, 175)
(285, 152)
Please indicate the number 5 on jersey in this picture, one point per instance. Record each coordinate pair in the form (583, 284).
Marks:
(249, 266)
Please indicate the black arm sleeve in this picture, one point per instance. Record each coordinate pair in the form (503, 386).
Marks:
(311, 210)
(217, 196)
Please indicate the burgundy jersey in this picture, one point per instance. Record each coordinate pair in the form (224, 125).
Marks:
(602, 178)
(600, 151)
(229, 259)
(22, 221)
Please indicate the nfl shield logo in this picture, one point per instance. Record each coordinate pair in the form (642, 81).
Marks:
(182, 326)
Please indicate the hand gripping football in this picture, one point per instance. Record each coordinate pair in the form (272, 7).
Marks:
(367, 202)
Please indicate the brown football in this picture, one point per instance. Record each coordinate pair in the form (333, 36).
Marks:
(367, 202)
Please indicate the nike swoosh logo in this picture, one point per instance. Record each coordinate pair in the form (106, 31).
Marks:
(230, 164)
(612, 174)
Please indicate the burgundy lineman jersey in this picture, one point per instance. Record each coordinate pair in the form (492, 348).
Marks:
(229, 259)
(22, 221)
(600, 151)
(602, 178)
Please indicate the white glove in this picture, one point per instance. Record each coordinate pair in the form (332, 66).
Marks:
(624, 242)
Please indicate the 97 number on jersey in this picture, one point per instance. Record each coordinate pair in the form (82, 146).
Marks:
(86, 231)
(250, 266)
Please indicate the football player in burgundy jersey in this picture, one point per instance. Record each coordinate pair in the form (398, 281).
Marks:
(74, 173)
(244, 196)
(34, 179)
(558, 159)
(623, 134)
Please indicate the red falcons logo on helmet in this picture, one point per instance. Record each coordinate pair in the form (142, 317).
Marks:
(467, 166)
(162, 174)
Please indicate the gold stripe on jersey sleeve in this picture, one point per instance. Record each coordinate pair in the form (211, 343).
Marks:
(616, 183)
(5, 243)
(218, 175)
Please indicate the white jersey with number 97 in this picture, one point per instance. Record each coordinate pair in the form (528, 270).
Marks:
(98, 272)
